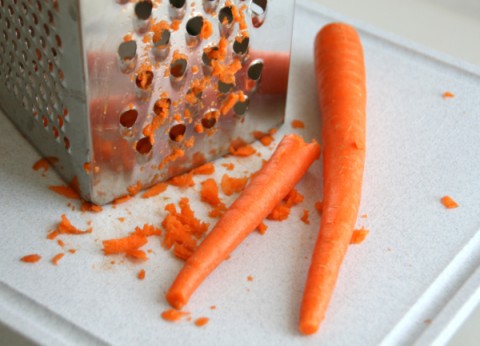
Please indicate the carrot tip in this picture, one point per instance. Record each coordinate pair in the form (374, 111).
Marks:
(176, 300)
(308, 328)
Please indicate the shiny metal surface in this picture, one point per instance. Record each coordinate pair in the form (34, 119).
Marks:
(140, 91)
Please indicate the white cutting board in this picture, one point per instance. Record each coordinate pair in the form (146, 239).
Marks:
(412, 279)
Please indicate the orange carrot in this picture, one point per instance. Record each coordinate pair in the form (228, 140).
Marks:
(31, 258)
(258, 199)
(184, 180)
(262, 228)
(340, 71)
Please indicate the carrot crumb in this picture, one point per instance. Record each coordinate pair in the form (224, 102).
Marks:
(243, 151)
(121, 219)
(173, 315)
(141, 274)
(232, 185)
(250, 278)
(87, 206)
(358, 236)
(319, 207)
(65, 227)
(448, 94)
(228, 166)
(448, 202)
(31, 258)
(182, 230)
(121, 199)
(209, 192)
(298, 124)
(213, 307)
(57, 258)
(304, 217)
(72, 251)
(200, 322)
(155, 190)
(205, 169)
(133, 189)
(262, 228)
(41, 164)
(65, 191)
(60, 243)
(184, 180)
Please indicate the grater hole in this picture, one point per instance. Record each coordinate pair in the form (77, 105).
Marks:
(177, 132)
(177, 3)
(210, 5)
(55, 132)
(240, 45)
(39, 5)
(58, 40)
(44, 121)
(50, 17)
(178, 68)
(255, 70)
(258, 7)
(241, 107)
(225, 16)
(46, 29)
(21, 22)
(144, 146)
(143, 9)
(35, 19)
(43, 43)
(162, 106)
(210, 118)
(127, 50)
(144, 79)
(55, 5)
(66, 142)
(225, 87)
(60, 121)
(128, 118)
(31, 31)
(38, 54)
(194, 25)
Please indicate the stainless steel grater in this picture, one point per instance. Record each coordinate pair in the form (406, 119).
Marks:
(126, 93)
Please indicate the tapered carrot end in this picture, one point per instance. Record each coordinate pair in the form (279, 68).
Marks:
(308, 328)
(176, 299)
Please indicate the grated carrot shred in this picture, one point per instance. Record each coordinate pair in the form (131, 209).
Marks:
(231, 185)
(359, 236)
(448, 202)
(31, 258)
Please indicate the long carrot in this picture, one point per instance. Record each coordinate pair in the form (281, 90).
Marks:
(270, 185)
(340, 71)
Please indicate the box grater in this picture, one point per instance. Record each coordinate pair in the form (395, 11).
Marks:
(122, 94)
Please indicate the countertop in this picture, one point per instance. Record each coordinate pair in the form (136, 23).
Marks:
(449, 26)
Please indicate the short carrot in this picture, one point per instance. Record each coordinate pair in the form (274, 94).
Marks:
(340, 72)
(258, 199)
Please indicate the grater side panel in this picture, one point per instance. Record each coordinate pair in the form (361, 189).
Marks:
(44, 91)
(123, 52)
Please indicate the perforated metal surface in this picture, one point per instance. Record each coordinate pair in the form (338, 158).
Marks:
(132, 92)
